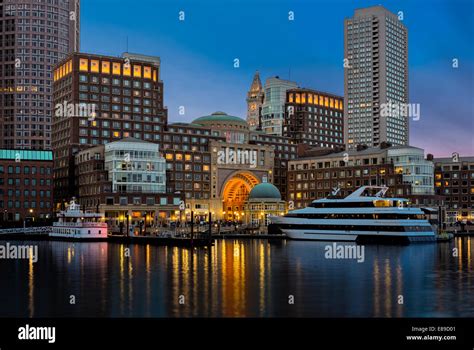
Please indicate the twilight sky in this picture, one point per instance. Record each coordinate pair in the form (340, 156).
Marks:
(198, 54)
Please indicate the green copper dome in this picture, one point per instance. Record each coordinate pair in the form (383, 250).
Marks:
(219, 117)
(265, 190)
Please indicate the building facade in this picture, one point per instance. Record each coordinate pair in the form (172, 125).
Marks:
(454, 179)
(125, 180)
(26, 186)
(264, 201)
(100, 99)
(312, 178)
(216, 169)
(375, 74)
(314, 117)
(35, 35)
(416, 170)
(273, 109)
(254, 103)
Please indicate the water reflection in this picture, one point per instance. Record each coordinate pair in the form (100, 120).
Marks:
(238, 278)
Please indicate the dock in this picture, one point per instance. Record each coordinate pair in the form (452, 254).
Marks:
(163, 241)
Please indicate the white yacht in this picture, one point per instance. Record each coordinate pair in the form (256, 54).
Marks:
(364, 214)
(73, 223)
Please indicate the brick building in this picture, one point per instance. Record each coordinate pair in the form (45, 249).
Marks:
(26, 189)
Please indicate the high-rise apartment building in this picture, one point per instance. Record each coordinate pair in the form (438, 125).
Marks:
(254, 103)
(100, 99)
(273, 109)
(375, 79)
(314, 118)
(35, 35)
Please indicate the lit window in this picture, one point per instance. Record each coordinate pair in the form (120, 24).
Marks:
(169, 156)
(147, 72)
(155, 75)
(126, 69)
(137, 71)
(321, 100)
(116, 68)
(298, 100)
(95, 66)
(187, 157)
(84, 64)
(179, 156)
(105, 67)
(205, 167)
(290, 98)
(310, 98)
(116, 134)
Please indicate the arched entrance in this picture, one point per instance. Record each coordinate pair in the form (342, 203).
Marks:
(235, 193)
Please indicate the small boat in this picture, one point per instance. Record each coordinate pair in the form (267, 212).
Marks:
(364, 215)
(76, 224)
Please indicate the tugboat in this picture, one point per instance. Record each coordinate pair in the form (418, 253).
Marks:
(76, 224)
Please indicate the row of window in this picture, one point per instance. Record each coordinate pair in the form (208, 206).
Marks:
(187, 157)
(26, 205)
(26, 182)
(327, 102)
(27, 193)
(26, 169)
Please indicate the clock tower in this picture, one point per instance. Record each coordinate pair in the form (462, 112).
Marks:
(254, 103)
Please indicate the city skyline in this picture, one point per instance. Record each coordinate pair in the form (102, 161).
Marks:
(198, 61)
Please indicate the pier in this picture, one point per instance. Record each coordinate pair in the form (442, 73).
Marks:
(35, 233)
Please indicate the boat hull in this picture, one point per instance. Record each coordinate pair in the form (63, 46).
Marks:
(367, 230)
(351, 236)
(85, 232)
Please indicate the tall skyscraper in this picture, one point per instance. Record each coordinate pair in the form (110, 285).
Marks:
(273, 109)
(254, 103)
(376, 74)
(35, 35)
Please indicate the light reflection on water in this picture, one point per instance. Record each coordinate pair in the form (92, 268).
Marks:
(238, 278)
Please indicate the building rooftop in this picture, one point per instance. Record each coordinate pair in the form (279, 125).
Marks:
(131, 139)
(265, 190)
(20, 154)
(219, 117)
(354, 152)
(450, 159)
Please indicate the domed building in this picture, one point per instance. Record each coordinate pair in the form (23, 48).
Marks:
(233, 129)
(264, 200)
(216, 161)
